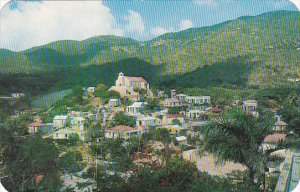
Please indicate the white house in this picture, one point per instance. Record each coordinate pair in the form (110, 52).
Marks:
(279, 125)
(63, 133)
(91, 89)
(198, 99)
(77, 122)
(181, 140)
(146, 122)
(181, 97)
(195, 113)
(35, 127)
(17, 95)
(172, 102)
(173, 129)
(122, 131)
(250, 106)
(60, 121)
(169, 118)
(76, 126)
(136, 108)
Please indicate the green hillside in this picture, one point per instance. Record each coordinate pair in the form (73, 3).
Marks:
(249, 51)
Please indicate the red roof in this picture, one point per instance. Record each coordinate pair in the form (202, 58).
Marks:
(38, 178)
(174, 115)
(274, 138)
(122, 128)
(36, 124)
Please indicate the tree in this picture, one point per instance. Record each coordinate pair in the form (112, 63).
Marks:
(176, 122)
(121, 119)
(174, 110)
(96, 131)
(114, 94)
(294, 125)
(104, 181)
(237, 137)
(153, 104)
(25, 157)
(176, 175)
(101, 87)
(71, 162)
(76, 95)
(74, 139)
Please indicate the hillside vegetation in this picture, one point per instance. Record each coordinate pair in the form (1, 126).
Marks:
(258, 51)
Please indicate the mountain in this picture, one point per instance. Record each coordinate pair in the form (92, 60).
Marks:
(248, 51)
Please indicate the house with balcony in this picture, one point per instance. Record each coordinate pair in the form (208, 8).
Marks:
(172, 102)
(197, 100)
(65, 127)
(195, 114)
(60, 121)
(146, 122)
(137, 108)
(122, 131)
(181, 97)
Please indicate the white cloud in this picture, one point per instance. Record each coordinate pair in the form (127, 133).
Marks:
(3, 3)
(135, 22)
(296, 2)
(156, 31)
(37, 23)
(185, 24)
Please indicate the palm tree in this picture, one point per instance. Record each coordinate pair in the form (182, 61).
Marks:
(237, 137)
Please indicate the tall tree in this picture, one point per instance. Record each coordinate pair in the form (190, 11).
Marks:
(237, 137)
(29, 160)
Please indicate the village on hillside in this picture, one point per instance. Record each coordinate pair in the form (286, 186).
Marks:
(148, 124)
(150, 96)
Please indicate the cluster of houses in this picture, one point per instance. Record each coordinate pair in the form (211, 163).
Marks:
(193, 112)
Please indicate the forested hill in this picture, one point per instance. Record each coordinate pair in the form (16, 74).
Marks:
(249, 51)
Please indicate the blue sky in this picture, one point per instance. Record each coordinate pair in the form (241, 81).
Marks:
(28, 24)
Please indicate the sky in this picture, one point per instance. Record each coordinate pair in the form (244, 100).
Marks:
(25, 24)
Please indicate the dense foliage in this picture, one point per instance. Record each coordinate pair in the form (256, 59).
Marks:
(29, 160)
